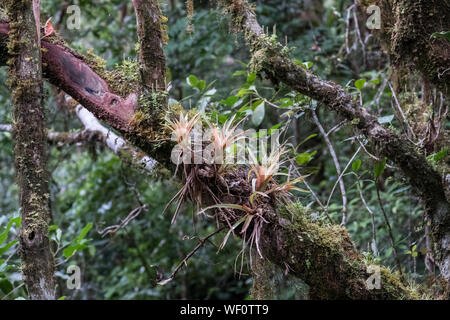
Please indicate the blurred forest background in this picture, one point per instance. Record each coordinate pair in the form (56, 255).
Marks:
(91, 188)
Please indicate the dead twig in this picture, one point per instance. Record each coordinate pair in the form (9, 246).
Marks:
(131, 216)
(336, 164)
(201, 243)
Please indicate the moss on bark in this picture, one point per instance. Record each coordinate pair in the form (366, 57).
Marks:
(25, 81)
(325, 258)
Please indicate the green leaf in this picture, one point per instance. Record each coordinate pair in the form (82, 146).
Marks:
(443, 34)
(258, 114)
(275, 127)
(240, 73)
(230, 101)
(91, 250)
(223, 118)
(4, 234)
(359, 84)
(6, 286)
(84, 232)
(7, 246)
(438, 156)
(192, 81)
(308, 138)
(62, 298)
(243, 92)
(304, 157)
(69, 251)
(308, 65)
(379, 168)
(251, 78)
(201, 85)
(356, 165)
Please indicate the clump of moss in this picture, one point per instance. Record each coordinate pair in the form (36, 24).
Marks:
(97, 62)
(125, 78)
(148, 121)
(262, 273)
(164, 29)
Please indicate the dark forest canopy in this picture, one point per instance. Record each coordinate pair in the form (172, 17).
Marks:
(225, 149)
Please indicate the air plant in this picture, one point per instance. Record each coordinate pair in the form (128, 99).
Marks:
(193, 184)
(266, 170)
(225, 136)
(288, 186)
(181, 129)
(252, 214)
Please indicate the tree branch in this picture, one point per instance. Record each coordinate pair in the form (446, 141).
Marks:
(114, 142)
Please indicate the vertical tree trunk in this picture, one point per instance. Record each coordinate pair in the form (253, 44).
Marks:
(151, 40)
(25, 81)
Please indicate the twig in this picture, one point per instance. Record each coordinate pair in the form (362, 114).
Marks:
(341, 175)
(391, 236)
(347, 29)
(13, 290)
(313, 193)
(336, 164)
(399, 109)
(114, 142)
(337, 127)
(373, 156)
(131, 216)
(358, 32)
(379, 93)
(372, 215)
(201, 243)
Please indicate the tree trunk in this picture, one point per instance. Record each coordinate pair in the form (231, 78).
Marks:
(30, 136)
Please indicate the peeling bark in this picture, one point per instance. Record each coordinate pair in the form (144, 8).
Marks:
(25, 81)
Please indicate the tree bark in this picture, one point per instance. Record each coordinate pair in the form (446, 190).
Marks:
(151, 40)
(25, 81)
